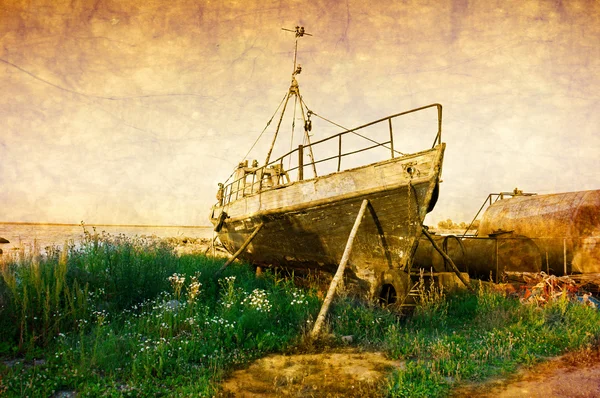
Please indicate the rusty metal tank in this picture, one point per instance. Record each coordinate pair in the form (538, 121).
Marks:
(565, 227)
(481, 257)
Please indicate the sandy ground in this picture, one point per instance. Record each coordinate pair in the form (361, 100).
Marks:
(351, 373)
(346, 373)
(573, 375)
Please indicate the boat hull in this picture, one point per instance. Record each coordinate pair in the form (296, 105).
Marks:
(306, 224)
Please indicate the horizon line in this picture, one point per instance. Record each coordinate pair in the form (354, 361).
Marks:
(102, 225)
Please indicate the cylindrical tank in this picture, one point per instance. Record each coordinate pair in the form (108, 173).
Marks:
(565, 226)
(481, 257)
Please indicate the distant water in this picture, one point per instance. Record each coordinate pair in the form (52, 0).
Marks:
(24, 235)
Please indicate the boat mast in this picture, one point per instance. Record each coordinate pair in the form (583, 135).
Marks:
(295, 90)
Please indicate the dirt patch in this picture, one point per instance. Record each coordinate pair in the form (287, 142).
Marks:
(347, 373)
(573, 375)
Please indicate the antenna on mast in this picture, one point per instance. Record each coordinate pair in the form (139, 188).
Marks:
(300, 32)
(295, 91)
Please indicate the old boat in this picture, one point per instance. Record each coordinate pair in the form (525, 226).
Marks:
(275, 215)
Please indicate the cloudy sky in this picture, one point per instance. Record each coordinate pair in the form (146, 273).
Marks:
(132, 111)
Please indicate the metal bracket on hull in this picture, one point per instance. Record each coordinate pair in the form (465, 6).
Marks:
(212, 245)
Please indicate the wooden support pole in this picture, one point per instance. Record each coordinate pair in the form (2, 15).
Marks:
(339, 273)
(447, 258)
(300, 162)
(211, 246)
(497, 270)
(240, 250)
(565, 255)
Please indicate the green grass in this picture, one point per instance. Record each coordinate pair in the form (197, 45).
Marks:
(467, 337)
(127, 317)
(118, 316)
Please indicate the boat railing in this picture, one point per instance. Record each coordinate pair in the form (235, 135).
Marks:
(254, 179)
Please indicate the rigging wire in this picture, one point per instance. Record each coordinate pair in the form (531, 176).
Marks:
(293, 129)
(299, 33)
(260, 135)
(307, 128)
(302, 106)
(92, 96)
(287, 98)
(346, 129)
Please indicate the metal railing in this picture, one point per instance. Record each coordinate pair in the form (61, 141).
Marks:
(250, 180)
(491, 199)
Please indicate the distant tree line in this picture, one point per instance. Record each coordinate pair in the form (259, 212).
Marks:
(449, 224)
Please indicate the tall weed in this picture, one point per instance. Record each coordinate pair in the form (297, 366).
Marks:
(46, 295)
(432, 306)
(180, 340)
(42, 300)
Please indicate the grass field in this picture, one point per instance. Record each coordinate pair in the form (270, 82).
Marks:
(116, 316)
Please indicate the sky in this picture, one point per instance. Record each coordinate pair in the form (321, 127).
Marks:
(131, 111)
